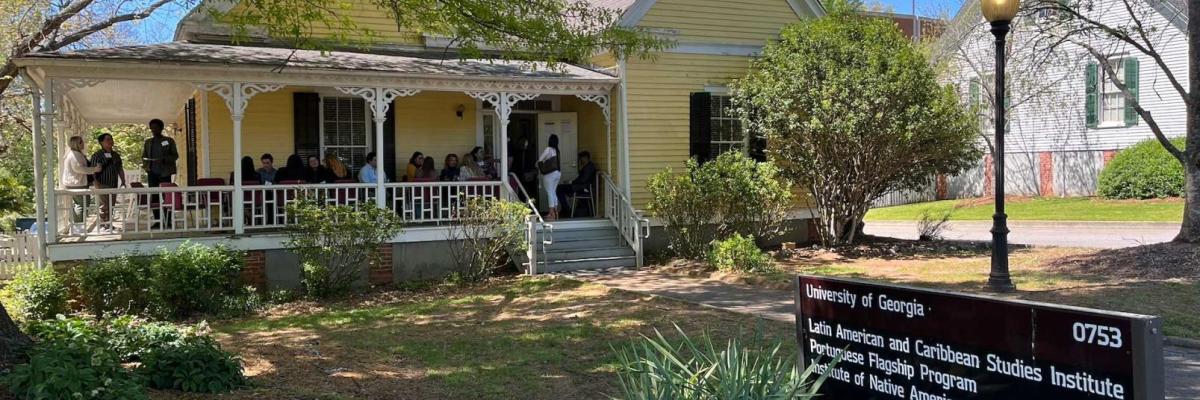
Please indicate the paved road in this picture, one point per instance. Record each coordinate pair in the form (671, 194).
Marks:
(1182, 364)
(1039, 233)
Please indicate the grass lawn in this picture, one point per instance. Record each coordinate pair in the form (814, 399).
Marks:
(1041, 209)
(528, 338)
(1102, 279)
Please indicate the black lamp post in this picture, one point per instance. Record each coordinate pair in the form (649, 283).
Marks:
(1000, 14)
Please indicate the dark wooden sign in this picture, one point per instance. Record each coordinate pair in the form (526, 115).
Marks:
(898, 342)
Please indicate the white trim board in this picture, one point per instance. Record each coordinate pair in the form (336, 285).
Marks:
(634, 14)
(717, 49)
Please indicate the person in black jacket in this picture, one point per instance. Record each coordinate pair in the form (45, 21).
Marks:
(582, 184)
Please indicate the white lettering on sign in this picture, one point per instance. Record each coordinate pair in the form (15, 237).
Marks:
(1015, 368)
(842, 297)
(1099, 335)
(884, 385)
(917, 394)
(1086, 383)
(948, 381)
(944, 353)
(860, 336)
(908, 308)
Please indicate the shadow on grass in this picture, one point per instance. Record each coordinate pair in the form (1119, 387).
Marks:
(542, 338)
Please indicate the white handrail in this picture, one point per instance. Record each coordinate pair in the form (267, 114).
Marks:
(628, 220)
(532, 223)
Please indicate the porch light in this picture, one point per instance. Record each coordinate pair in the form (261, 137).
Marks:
(1000, 10)
(460, 110)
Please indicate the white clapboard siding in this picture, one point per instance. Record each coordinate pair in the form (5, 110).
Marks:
(908, 196)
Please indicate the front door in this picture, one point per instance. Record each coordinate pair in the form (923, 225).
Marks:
(566, 126)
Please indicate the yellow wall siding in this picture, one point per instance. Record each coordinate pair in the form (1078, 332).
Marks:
(427, 123)
(267, 128)
(659, 109)
(591, 130)
(367, 16)
(749, 22)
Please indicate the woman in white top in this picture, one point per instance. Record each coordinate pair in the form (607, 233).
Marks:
(75, 171)
(548, 165)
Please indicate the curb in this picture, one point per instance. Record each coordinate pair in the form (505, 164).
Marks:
(1182, 342)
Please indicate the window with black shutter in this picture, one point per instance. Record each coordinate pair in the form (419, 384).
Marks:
(716, 129)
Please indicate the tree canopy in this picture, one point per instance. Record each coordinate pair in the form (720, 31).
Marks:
(851, 109)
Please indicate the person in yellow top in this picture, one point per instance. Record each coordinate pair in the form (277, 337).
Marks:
(414, 166)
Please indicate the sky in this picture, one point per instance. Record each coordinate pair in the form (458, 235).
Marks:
(160, 27)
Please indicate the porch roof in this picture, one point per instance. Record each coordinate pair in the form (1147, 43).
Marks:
(281, 59)
(135, 83)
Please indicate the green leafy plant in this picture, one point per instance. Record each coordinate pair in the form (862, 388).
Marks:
(71, 370)
(336, 243)
(1144, 171)
(194, 279)
(660, 368)
(193, 364)
(739, 254)
(114, 286)
(487, 231)
(732, 194)
(38, 294)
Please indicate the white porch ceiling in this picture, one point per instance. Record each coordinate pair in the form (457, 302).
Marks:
(128, 101)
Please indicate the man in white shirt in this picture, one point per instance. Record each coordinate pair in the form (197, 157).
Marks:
(368, 172)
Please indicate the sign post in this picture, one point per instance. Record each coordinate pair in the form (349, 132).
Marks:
(904, 343)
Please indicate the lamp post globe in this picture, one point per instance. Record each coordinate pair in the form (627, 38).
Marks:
(1000, 14)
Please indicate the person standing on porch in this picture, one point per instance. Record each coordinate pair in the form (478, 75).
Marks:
(111, 175)
(75, 172)
(158, 160)
(548, 165)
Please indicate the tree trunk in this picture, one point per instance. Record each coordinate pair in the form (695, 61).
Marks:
(13, 342)
(1189, 232)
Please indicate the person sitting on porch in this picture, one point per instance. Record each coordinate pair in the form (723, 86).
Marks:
(335, 170)
(548, 165)
(266, 174)
(368, 172)
(451, 172)
(414, 166)
(292, 171)
(314, 172)
(75, 172)
(470, 168)
(582, 184)
(428, 170)
(111, 175)
(248, 172)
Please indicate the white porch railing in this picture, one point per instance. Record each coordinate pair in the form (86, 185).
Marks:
(534, 224)
(629, 221)
(209, 209)
(18, 253)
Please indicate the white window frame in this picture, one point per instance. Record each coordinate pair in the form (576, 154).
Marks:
(368, 131)
(744, 143)
(1110, 98)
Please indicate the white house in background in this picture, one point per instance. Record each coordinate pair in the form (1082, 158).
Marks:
(1060, 135)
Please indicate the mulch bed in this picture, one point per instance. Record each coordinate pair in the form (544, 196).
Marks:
(1150, 262)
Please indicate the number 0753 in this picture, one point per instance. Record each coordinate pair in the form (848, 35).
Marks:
(1100, 335)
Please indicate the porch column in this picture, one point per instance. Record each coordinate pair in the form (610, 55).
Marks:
(503, 102)
(380, 99)
(39, 174)
(237, 96)
(50, 229)
(603, 101)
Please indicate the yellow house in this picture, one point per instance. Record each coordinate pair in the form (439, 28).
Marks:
(225, 102)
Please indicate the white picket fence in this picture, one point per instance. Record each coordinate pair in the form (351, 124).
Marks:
(18, 252)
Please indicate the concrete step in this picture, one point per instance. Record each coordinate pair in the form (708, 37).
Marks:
(582, 234)
(585, 264)
(577, 244)
(597, 252)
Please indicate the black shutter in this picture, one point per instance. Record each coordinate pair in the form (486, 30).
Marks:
(190, 140)
(306, 116)
(758, 146)
(700, 132)
(389, 144)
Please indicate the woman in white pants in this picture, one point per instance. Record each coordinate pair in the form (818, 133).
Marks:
(548, 165)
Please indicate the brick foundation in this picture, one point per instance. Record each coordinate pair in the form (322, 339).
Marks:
(254, 269)
(1046, 174)
(1108, 156)
(988, 186)
(380, 272)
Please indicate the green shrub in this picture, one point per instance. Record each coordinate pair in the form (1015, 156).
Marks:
(487, 231)
(194, 364)
(336, 243)
(738, 254)
(1144, 171)
(127, 337)
(38, 294)
(732, 194)
(114, 286)
(194, 279)
(66, 370)
(658, 368)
